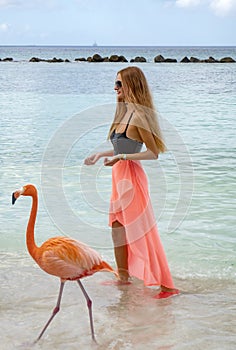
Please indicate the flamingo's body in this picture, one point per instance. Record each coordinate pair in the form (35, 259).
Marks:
(63, 257)
(68, 259)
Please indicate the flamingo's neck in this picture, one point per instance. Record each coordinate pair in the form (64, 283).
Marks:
(30, 228)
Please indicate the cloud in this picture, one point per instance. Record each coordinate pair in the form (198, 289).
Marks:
(29, 4)
(223, 7)
(219, 7)
(187, 3)
(8, 3)
(4, 27)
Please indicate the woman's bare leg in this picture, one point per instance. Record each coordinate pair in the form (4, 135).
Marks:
(120, 250)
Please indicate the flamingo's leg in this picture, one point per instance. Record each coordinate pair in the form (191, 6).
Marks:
(55, 311)
(89, 304)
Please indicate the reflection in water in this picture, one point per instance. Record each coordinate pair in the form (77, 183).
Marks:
(140, 319)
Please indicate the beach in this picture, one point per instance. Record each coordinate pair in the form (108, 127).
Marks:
(52, 117)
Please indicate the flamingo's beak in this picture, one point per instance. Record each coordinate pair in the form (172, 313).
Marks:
(13, 198)
(17, 194)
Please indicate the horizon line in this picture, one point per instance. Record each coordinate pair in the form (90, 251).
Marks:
(101, 46)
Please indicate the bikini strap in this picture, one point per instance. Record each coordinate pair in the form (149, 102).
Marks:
(128, 122)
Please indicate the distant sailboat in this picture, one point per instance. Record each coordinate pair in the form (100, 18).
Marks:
(95, 44)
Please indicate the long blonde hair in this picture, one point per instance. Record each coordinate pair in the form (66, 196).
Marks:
(138, 94)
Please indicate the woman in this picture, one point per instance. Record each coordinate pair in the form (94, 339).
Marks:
(137, 246)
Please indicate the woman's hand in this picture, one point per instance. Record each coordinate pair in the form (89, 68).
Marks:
(111, 161)
(92, 159)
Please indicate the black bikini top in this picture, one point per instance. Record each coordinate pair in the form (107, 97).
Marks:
(123, 144)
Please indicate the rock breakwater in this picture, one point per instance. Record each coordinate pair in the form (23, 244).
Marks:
(119, 58)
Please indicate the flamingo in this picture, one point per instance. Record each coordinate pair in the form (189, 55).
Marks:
(64, 257)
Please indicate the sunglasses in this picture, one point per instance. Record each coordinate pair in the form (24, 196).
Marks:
(118, 84)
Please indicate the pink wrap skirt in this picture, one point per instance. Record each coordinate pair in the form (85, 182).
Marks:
(130, 205)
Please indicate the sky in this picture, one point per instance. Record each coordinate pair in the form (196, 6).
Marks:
(118, 23)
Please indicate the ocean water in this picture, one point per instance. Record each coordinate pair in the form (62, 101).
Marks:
(52, 116)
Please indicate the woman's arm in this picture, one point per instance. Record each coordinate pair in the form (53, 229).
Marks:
(95, 157)
(146, 155)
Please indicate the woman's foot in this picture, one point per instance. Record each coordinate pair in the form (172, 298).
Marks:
(124, 279)
(121, 280)
(167, 292)
(123, 274)
(115, 283)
